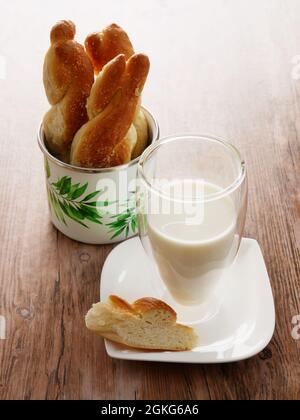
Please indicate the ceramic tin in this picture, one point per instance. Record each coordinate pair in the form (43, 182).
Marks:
(94, 206)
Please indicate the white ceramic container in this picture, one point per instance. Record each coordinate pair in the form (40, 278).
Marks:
(94, 206)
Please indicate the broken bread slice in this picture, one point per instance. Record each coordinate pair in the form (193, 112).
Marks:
(148, 324)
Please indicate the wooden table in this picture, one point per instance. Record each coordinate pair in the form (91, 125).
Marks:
(224, 67)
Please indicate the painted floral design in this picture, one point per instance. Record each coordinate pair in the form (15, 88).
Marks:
(71, 201)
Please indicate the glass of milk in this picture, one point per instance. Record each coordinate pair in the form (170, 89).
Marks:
(191, 207)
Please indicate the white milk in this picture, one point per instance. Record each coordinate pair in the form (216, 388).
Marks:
(191, 252)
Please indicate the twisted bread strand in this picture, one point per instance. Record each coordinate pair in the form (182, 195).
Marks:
(68, 78)
(104, 46)
(108, 139)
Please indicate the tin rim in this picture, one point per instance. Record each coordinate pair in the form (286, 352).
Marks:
(155, 136)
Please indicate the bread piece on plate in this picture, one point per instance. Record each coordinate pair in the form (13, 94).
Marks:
(148, 324)
(68, 78)
(108, 139)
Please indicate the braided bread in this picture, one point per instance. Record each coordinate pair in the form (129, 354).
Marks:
(68, 78)
(148, 324)
(104, 46)
(108, 139)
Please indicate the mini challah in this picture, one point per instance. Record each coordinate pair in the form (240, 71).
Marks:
(104, 46)
(68, 78)
(108, 139)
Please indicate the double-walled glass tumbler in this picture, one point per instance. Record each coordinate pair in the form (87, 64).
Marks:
(191, 206)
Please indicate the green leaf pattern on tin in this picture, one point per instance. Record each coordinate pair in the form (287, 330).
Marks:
(125, 222)
(70, 201)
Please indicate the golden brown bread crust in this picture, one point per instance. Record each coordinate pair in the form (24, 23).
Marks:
(112, 108)
(105, 86)
(142, 306)
(145, 305)
(102, 47)
(63, 30)
(122, 153)
(117, 302)
(68, 78)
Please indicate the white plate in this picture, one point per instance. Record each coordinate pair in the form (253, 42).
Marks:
(236, 328)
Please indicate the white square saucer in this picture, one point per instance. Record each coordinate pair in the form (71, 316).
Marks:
(235, 328)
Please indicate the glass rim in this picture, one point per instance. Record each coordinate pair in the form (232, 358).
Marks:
(210, 197)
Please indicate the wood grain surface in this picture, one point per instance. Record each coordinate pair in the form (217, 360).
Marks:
(227, 67)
